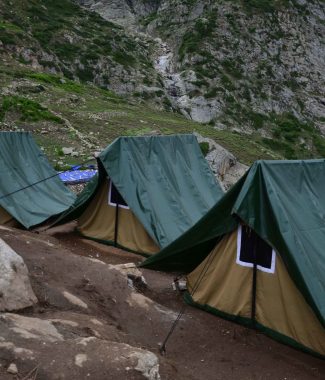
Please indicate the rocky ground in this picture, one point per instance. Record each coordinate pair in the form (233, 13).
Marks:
(91, 323)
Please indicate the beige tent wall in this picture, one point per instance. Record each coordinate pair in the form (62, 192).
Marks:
(280, 306)
(98, 222)
(223, 281)
(227, 287)
(7, 219)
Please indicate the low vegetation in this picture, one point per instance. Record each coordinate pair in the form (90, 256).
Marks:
(28, 110)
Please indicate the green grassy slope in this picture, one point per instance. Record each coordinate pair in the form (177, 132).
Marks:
(59, 36)
(62, 113)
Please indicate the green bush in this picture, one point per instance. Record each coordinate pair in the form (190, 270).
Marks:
(29, 110)
(7, 38)
(57, 81)
(86, 74)
(232, 68)
(212, 93)
(204, 148)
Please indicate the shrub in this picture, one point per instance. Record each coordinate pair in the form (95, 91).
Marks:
(204, 148)
(28, 109)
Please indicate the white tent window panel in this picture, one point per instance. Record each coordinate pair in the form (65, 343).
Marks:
(114, 197)
(247, 241)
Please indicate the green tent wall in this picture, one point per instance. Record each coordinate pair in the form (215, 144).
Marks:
(22, 163)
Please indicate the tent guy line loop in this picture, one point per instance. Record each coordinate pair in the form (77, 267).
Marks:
(42, 180)
(205, 268)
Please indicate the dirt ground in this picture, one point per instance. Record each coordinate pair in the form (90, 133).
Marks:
(115, 317)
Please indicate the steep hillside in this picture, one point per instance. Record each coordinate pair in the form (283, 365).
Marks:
(60, 37)
(83, 72)
(63, 113)
(244, 65)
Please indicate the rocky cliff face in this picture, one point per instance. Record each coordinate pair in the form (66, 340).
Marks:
(253, 66)
(61, 38)
(125, 13)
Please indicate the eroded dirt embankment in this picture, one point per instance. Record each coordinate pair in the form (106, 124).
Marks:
(89, 324)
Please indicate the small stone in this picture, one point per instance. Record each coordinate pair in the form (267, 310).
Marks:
(12, 369)
(67, 150)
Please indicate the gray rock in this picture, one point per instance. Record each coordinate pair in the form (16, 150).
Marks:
(224, 164)
(15, 288)
(12, 369)
(67, 151)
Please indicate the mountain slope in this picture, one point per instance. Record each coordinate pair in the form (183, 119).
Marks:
(244, 65)
(252, 72)
(60, 37)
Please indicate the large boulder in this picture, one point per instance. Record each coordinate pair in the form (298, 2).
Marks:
(225, 166)
(15, 288)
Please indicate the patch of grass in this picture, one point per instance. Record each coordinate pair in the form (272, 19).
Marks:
(124, 58)
(319, 143)
(265, 5)
(204, 148)
(67, 51)
(231, 67)
(7, 38)
(290, 135)
(9, 26)
(159, 93)
(203, 72)
(29, 110)
(256, 119)
(281, 147)
(227, 82)
(138, 132)
(192, 40)
(148, 19)
(201, 83)
(85, 74)
(54, 80)
(289, 128)
(212, 93)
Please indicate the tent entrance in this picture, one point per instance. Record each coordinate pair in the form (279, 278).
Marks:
(251, 250)
(115, 199)
(114, 224)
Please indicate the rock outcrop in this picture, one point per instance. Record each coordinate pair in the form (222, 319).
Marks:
(257, 67)
(15, 289)
(33, 338)
(225, 166)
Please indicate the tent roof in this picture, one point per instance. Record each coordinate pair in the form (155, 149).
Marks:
(165, 180)
(22, 163)
(284, 202)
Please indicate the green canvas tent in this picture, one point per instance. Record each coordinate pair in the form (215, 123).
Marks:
(22, 163)
(258, 256)
(149, 191)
